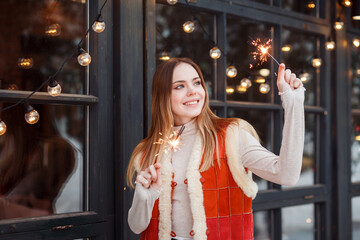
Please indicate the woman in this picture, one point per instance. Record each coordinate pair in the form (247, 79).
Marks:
(204, 189)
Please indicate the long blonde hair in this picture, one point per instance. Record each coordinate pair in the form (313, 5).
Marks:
(162, 120)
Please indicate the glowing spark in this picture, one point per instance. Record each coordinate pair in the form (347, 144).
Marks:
(251, 66)
(262, 52)
(172, 141)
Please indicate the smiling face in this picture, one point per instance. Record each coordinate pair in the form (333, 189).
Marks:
(187, 94)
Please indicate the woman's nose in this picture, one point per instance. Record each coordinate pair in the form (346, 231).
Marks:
(191, 92)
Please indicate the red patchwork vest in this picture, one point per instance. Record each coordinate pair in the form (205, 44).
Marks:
(228, 210)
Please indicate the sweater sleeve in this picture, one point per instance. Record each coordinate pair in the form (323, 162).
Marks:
(140, 213)
(285, 168)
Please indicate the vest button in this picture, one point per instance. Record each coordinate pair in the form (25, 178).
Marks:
(202, 179)
(173, 234)
(192, 233)
(185, 181)
(173, 184)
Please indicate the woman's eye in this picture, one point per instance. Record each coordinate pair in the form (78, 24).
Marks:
(179, 86)
(197, 83)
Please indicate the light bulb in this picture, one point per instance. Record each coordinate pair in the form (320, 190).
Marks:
(54, 88)
(316, 62)
(84, 58)
(338, 25)
(172, 2)
(264, 88)
(25, 62)
(230, 90)
(231, 71)
(264, 72)
(215, 53)
(31, 115)
(346, 3)
(164, 56)
(53, 30)
(260, 80)
(304, 76)
(245, 82)
(2, 128)
(99, 24)
(189, 26)
(357, 138)
(356, 42)
(286, 48)
(311, 5)
(330, 45)
(241, 89)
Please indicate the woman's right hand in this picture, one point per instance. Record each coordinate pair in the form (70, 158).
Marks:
(150, 177)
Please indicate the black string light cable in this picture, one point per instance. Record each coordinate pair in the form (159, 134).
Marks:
(54, 89)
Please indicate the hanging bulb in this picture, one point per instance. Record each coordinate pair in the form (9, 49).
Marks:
(304, 76)
(189, 26)
(215, 53)
(25, 62)
(260, 80)
(84, 58)
(2, 128)
(330, 44)
(172, 2)
(338, 25)
(316, 62)
(53, 30)
(310, 4)
(264, 88)
(99, 24)
(31, 115)
(245, 82)
(231, 71)
(346, 3)
(356, 42)
(264, 72)
(230, 90)
(164, 56)
(241, 89)
(54, 88)
(286, 48)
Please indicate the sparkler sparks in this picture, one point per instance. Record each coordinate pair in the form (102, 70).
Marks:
(262, 52)
(172, 141)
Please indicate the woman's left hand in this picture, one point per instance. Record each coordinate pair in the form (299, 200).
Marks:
(287, 80)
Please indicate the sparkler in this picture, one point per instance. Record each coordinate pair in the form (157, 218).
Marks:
(262, 52)
(172, 141)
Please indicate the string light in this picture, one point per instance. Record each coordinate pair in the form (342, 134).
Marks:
(241, 89)
(245, 82)
(25, 62)
(286, 48)
(230, 90)
(357, 133)
(2, 128)
(260, 80)
(172, 2)
(304, 76)
(338, 25)
(53, 30)
(189, 26)
(54, 88)
(164, 56)
(84, 58)
(316, 62)
(31, 115)
(346, 3)
(215, 53)
(99, 24)
(310, 4)
(231, 71)
(264, 88)
(356, 42)
(264, 72)
(330, 44)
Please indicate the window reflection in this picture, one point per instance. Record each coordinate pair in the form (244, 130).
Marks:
(41, 164)
(302, 6)
(240, 33)
(355, 149)
(261, 121)
(298, 222)
(172, 41)
(355, 210)
(303, 46)
(39, 36)
(262, 222)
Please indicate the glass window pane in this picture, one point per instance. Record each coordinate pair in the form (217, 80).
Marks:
(43, 34)
(355, 206)
(262, 223)
(298, 222)
(303, 46)
(355, 72)
(355, 149)
(308, 7)
(240, 33)
(41, 165)
(261, 121)
(173, 41)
